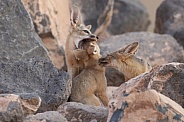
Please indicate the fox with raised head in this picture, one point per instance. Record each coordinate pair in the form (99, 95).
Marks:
(89, 87)
(78, 32)
(126, 62)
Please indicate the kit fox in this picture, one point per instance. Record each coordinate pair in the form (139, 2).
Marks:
(89, 87)
(78, 32)
(126, 62)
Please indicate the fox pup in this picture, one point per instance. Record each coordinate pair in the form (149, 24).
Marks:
(126, 62)
(78, 32)
(89, 87)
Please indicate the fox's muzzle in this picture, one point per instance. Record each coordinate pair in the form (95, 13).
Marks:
(92, 36)
(103, 62)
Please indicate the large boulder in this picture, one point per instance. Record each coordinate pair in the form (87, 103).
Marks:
(170, 19)
(14, 108)
(78, 112)
(38, 76)
(128, 15)
(148, 106)
(49, 116)
(19, 71)
(154, 48)
(51, 21)
(18, 38)
(167, 79)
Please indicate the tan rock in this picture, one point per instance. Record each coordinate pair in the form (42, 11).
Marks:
(78, 112)
(166, 79)
(110, 91)
(146, 106)
(15, 107)
(51, 20)
(30, 103)
(51, 116)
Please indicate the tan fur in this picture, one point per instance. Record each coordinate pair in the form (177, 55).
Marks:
(89, 87)
(78, 32)
(126, 62)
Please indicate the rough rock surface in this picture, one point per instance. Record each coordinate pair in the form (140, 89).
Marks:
(167, 79)
(114, 77)
(39, 76)
(49, 116)
(18, 38)
(51, 21)
(131, 15)
(14, 107)
(154, 48)
(78, 112)
(148, 106)
(170, 19)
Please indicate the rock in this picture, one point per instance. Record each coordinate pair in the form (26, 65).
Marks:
(30, 103)
(110, 91)
(148, 106)
(114, 77)
(20, 72)
(15, 107)
(49, 116)
(154, 48)
(38, 76)
(170, 19)
(77, 112)
(18, 38)
(51, 21)
(132, 15)
(167, 79)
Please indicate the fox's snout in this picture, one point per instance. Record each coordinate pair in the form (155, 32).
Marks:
(103, 61)
(92, 36)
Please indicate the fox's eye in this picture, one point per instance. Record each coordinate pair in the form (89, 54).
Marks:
(86, 31)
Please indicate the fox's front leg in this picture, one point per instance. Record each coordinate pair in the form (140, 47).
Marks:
(73, 72)
(103, 98)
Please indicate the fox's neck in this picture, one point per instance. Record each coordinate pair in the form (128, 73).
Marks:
(132, 67)
(93, 64)
(72, 41)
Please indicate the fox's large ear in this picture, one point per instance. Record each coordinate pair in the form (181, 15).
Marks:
(88, 27)
(75, 17)
(80, 54)
(130, 49)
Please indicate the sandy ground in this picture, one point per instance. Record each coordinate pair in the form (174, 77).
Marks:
(152, 5)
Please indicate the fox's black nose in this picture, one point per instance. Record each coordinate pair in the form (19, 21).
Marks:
(92, 36)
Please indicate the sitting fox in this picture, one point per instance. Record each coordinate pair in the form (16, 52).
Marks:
(78, 32)
(126, 62)
(89, 87)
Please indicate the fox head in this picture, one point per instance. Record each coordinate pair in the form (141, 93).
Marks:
(120, 56)
(79, 30)
(87, 49)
